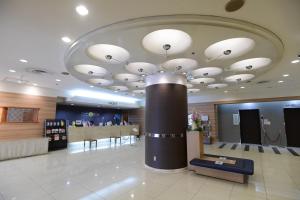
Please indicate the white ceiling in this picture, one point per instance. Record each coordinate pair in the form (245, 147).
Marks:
(32, 30)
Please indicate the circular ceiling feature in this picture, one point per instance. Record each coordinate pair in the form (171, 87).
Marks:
(239, 78)
(108, 53)
(139, 91)
(217, 85)
(194, 90)
(141, 68)
(167, 41)
(91, 70)
(127, 77)
(137, 85)
(230, 48)
(188, 85)
(203, 80)
(207, 71)
(101, 82)
(250, 64)
(119, 88)
(180, 64)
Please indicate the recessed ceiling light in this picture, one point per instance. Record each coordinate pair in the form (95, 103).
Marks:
(161, 71)
(91, 86)
(23, 61)
(285, 75)
(34, 84)
(280, 81)
(242, 87)
(66, 39)
(82, 10)
(58, 80)
(12, 70)
(225, 91)
(295, 61)
(72, 104)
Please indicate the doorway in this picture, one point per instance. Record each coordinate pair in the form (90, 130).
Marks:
(250, 126)
(292, 126)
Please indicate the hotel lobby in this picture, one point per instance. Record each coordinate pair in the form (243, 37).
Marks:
(149, 100)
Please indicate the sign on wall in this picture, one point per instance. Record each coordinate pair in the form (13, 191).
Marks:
(236, 119)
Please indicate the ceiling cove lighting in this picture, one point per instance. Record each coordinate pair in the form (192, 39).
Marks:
(295, 61)
(82, 10)
(250, 64)
(230, 48)
(66, 39)
(108, 53)
(167, 41)
(23, 61)
(103, 96)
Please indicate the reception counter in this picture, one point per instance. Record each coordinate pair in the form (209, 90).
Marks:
(76, 134)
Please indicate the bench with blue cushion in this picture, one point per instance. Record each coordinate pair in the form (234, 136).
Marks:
(237, 172)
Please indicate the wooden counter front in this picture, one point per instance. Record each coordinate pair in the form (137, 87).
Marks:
(76, 134)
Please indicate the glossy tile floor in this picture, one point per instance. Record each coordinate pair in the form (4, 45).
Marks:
(117, 173)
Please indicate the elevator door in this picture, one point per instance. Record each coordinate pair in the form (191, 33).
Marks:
(292, 126)
(250, 126)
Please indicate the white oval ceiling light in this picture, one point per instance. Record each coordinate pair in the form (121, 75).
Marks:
(230, 48)
(167, 41)
(101, 82)
(141, 68)
(194, 90)
(91, 70)
(137, 85)
(188, 85)
(203, 80)
(239, 77)
(217, 85)
(127, 77)
(119, 88)
(250, 64)
(108, 53)
(180, 64)
(82, 10)
(207, 71)
(139, 91)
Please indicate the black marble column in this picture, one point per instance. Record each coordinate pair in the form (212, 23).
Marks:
(166, 122)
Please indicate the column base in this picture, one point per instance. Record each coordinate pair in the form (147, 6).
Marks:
(169, 171)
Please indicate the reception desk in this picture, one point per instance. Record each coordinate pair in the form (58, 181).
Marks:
(76, 134)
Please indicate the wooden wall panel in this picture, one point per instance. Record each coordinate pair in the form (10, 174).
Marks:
(137, 116)
(47, 106)
(209, 109)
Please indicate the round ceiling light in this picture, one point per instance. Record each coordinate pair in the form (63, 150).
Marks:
(101, 82)
(188, 85)
(141, 68)
(108, 53)
(127, 77)
(217, 85)
(139, 91)
(250, 64)
(194, 90)
(239, 77)
(207, 72)
(91, 70)
(119, 88)
(180, 64)
(203, 80)
(137, 85)
(167, 42)
(230, 48)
